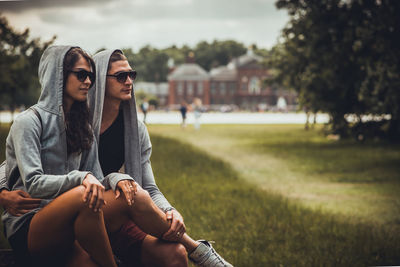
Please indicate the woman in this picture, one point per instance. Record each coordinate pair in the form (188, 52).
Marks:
(51, 153)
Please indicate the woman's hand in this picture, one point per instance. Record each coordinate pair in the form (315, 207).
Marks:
(177, 228)
(94, 193)
(128, 187)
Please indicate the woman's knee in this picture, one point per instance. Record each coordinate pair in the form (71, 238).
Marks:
(77, 194)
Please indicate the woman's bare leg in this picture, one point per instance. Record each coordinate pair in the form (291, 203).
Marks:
(54, 229)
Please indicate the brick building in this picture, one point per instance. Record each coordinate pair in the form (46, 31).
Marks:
(239, 83)
(186, 82)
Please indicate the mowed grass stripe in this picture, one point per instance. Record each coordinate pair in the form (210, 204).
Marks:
(255, 228)
(359, 181)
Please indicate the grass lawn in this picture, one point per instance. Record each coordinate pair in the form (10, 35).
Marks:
(360, 182)
(248, 192)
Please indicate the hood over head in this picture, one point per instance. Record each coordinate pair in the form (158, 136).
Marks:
(51, 78)
(131, 135)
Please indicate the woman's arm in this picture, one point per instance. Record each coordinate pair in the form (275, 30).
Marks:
(23, 146)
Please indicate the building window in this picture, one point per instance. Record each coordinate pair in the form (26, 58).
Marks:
(213, 88)
(179, 88)
(232, 88)
(254, 85)
(189, 88)
(222, 88)
(200, 88)
(244, 86)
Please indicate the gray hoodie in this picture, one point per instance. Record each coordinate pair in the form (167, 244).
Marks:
(136, 137)
(36, 151)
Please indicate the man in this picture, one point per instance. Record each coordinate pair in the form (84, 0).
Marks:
(123, 140)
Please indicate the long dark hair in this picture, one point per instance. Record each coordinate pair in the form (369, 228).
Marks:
(78, 130)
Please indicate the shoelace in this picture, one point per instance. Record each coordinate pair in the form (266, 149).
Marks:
(214, 257)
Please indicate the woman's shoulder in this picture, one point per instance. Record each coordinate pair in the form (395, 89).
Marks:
(26, 119)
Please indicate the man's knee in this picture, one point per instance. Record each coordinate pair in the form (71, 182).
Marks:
(176, 256)
(142, 199)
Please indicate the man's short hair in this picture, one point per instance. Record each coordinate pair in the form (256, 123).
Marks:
(117, 55)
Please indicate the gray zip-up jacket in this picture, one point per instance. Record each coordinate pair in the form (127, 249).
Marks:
(136, 137)
(36, 150)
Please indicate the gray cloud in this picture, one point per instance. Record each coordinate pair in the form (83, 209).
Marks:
(24, 5)
(182, 9)
(160, 23)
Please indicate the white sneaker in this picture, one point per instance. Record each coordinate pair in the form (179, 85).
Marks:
(205, 256)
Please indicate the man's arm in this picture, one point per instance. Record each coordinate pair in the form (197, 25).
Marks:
(177, 228)
(15, 202)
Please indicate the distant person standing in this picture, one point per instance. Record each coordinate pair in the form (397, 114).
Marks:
(183, 110)
(197, 107)
(144, 107)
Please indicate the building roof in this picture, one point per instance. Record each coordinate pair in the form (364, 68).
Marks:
(223, 73)
(189, 72)
(244, 60)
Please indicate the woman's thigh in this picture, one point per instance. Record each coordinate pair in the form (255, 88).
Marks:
(52, 229)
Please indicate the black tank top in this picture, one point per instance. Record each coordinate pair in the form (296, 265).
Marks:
(111, 146)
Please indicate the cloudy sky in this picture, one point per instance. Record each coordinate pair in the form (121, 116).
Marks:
(93, 24)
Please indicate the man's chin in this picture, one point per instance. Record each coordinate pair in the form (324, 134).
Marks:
(126, 97)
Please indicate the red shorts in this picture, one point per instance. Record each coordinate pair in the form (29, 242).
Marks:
(127, 242)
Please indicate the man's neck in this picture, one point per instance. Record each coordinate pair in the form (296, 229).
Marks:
(110, 113)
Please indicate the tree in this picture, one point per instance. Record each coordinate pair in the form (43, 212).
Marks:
(342, 58)
(19, 61)
(217, 53)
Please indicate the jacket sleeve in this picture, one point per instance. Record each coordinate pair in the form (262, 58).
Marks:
(24, 145)
(148, 181)
(3, 179)
(115, 177)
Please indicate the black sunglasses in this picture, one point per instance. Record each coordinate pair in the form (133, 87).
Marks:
(82, 75)
(121, 76)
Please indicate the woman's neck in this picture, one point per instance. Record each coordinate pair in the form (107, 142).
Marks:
(110, 113)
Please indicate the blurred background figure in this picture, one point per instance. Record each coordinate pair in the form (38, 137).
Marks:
(197, 109)
(144, 107)
(183, 109)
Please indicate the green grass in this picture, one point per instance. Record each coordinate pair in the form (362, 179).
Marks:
(234, 185)
(253, 228)
(359, 182)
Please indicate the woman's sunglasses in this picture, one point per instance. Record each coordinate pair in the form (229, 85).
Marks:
(82, 75)
(121, 76)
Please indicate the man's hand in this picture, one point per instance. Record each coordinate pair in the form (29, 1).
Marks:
(18, 202)
(177, 228)
(129, 188)
(94, 193)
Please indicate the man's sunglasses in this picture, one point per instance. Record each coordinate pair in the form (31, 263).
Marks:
(121, 76)
(82, 75)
